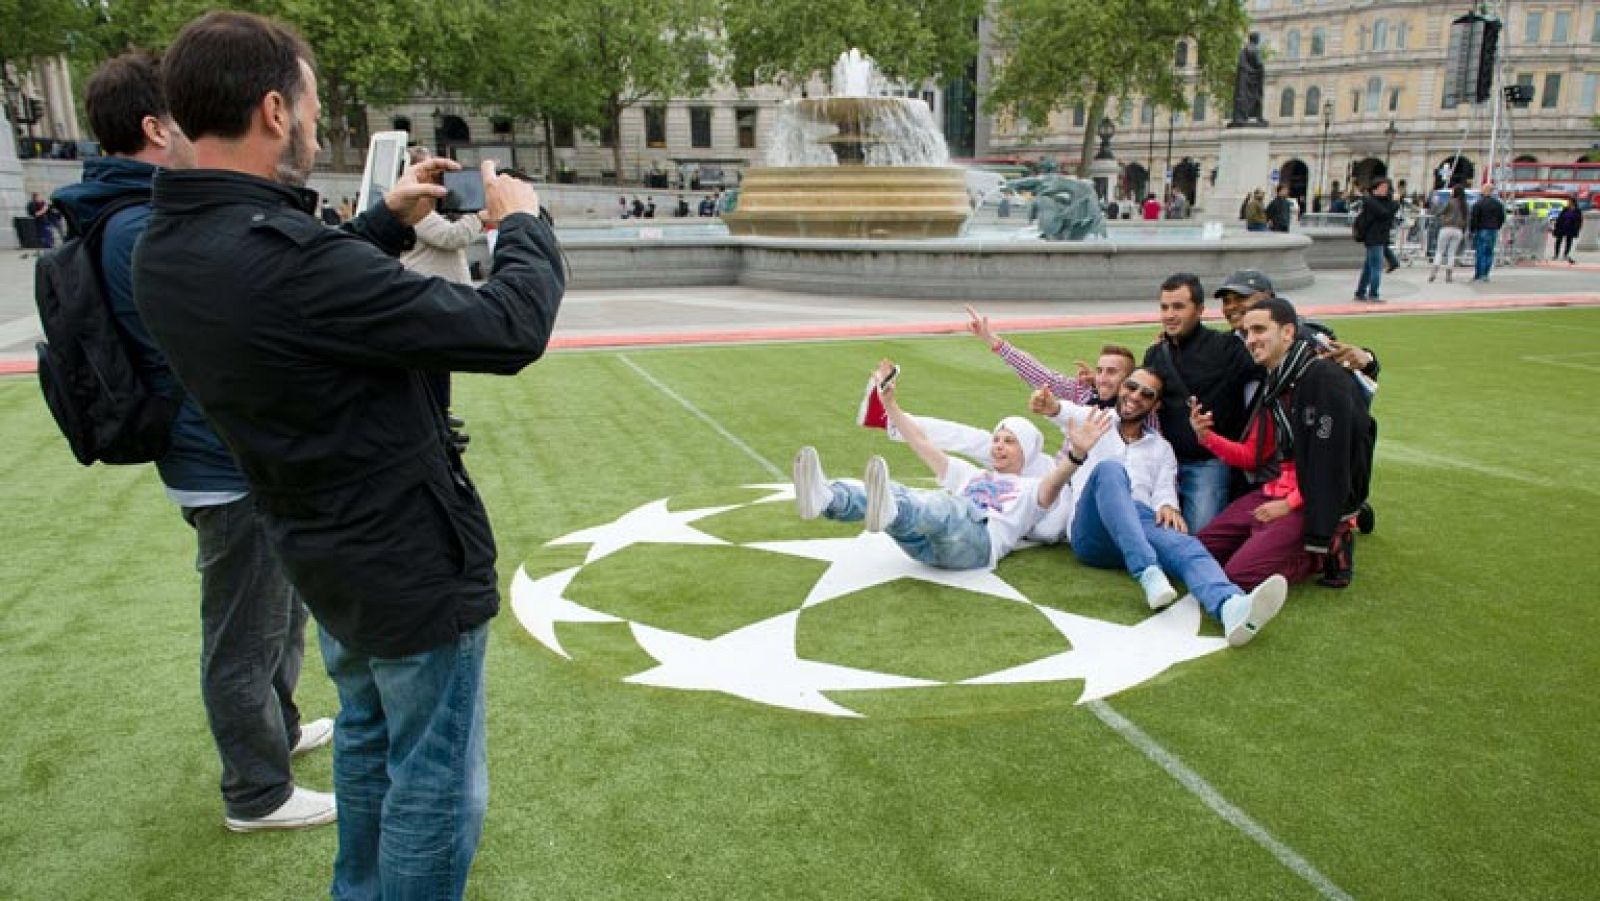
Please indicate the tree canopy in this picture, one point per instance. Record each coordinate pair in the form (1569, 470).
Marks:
(789, 41)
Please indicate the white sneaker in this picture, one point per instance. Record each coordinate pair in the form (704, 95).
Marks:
(811, 492)
(1244, 615)
(313, 735)
(881, 508)
(304, 808)
(1158, 592)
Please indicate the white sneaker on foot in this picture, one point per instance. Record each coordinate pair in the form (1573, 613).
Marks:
(313, 735)
(1243, 615)
(881, 508)
(811, 492)
(1158, 592)
(304, 808)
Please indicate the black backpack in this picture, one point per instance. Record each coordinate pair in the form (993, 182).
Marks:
(88, 376)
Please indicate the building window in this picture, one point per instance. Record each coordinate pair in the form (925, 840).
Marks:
(1291, 45)
(1402, 35)
(1361, 39)
(1560, 26)
(400, 123)
(1525, 80)
(564, 133)
(1374, 94)
(1077, 116)
(1180, 57)
(1394, 100)
(608, 134)
(1199, 114)
(700, 126)
(500, 125)
(1147, 113)
(1552, 91)
(1286, 104)
(1319, 41)
(655, 126)
(1534, 25)
(1125, 114)
(745, 120)
(1313, 101)
(1591, 87)
(1380, 35)
(1355, 100)
(1594, 28)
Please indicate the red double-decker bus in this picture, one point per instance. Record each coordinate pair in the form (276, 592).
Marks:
(1569, 179)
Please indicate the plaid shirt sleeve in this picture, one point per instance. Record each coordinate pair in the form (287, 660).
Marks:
(1038, 375)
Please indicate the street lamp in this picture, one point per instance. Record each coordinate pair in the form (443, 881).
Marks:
(1322, 163)
(1388, 148)
(1106, 130)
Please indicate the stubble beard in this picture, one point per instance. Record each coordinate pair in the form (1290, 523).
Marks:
(291, 170)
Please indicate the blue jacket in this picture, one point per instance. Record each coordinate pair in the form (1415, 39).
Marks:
(197, 459)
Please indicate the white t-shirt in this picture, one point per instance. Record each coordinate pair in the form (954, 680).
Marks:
(1012, 502)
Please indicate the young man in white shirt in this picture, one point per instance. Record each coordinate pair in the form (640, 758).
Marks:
(978, 517)
(1127, 513)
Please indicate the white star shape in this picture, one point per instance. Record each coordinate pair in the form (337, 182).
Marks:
(758, 663)
(873, 558)
(1110, 658)
(780, 491)
(540, 604)
(652, 523)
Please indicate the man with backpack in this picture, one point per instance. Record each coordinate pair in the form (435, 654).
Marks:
(252, 620)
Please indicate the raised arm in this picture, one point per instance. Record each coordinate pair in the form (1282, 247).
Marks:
(1026, 366)
(937, 460)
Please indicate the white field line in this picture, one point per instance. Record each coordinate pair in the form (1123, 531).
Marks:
(1489, 317)
(1406, 454)
(1149, 747)
(1566, 361)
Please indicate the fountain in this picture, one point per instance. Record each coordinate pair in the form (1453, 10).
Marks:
(853, 165)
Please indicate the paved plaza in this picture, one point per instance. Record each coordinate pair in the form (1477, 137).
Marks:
(734, 313)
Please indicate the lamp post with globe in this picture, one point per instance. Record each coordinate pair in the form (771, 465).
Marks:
(1104, 167)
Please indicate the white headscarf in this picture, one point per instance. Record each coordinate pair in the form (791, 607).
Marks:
(1027, 434)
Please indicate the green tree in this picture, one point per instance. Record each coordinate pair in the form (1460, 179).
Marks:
(789, 41)
(1057, 55)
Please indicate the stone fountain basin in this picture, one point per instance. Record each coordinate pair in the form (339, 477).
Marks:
(860, 202)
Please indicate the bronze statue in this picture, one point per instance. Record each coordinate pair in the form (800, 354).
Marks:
(1249, 85)
(1069, 209)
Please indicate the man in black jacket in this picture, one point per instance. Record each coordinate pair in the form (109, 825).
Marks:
(1212, 366)
(1372, 230)
(1280, 212)
(1488, 216)
(306, 347)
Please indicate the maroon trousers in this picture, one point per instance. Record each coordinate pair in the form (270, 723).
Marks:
(1251, 551)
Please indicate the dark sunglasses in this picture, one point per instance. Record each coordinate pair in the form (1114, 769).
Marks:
(1139, 387)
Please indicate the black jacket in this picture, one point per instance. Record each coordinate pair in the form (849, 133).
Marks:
(1333, 440)
(1488, 214)
(1210, 365)
(1375, 222)
(305, 347)
(1280, 214)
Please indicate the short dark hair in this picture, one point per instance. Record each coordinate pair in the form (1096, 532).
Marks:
(1188, 280)
(1280, 309)
(223, 63)
(120, 94)
(1117, 350)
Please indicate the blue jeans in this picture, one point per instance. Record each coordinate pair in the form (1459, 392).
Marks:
(1111, 529)
(410, 769)
(1371, 273)
(1483, 242)
(932, 527)
(1202, 491)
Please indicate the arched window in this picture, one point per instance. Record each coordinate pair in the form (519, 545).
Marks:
(1180, 57)
(1313, 101)
(1374, 94)
(1291, 45)
(1286, 104)
(1380, 35)
(1319, 41)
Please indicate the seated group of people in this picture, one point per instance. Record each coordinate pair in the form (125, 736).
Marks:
(1236, 463)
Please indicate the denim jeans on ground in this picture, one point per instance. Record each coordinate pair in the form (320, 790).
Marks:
(252, 642)
(1111, 529)
(1483, 242)
(932, 527)
(410, 769)
(1202, 491)
(1371, 273)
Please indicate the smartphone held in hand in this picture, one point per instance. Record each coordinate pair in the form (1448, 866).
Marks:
(464, 191)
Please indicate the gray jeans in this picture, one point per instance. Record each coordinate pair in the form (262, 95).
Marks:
(253, 628)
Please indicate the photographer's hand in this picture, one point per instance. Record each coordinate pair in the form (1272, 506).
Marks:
(504, 195)
(413, 196)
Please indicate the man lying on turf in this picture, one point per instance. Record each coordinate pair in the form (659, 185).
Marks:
(978, 517)
(1127, 513)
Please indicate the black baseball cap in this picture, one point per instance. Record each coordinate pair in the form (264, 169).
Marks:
(1245, 282)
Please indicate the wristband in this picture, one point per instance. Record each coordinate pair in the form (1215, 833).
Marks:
(1076, 460)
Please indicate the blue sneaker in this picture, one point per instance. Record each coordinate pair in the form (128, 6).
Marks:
(1158, 592)
(1243, 615)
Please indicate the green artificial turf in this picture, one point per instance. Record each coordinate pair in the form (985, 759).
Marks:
(1428, 732)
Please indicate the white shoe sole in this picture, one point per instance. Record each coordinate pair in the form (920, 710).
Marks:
(807, 479)
(1265, 602)
(269, 824)
(880, 501)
